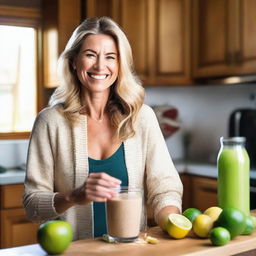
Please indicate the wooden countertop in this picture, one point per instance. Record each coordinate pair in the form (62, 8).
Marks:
(190, 245)
(167, 246)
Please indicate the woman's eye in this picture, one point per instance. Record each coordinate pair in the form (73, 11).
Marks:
(89, 55)
(111, 58)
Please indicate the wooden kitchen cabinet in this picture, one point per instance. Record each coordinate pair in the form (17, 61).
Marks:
(198, 192)
(15, 228)
(60, 18)
(159, 33)
(203, 192)
(224, 37)
(187, 197)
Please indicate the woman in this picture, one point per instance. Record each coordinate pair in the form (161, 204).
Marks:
(96, 135)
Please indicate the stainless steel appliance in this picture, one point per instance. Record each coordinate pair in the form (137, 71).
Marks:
(242, 122)
(253, 193)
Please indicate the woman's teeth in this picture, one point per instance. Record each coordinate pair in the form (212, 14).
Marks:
(98, 76)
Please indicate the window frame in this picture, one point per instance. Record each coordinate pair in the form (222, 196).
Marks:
(25, 17)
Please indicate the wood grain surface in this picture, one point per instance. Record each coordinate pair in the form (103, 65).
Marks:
(190, 245)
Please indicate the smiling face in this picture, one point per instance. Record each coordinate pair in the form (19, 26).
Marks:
(97, 63)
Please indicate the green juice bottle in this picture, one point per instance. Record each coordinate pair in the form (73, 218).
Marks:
(234, 174)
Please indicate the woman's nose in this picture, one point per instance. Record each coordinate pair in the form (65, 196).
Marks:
(99, 64)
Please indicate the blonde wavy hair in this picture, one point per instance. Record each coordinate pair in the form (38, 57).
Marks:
(126, 94)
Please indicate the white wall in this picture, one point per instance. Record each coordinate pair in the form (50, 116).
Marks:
(204, 113)
(13, 153)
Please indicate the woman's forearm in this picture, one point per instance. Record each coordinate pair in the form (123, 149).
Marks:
(61, 203)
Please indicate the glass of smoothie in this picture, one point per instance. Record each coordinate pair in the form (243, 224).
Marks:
(124, 214)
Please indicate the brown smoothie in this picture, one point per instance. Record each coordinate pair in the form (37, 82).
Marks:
(124, 215)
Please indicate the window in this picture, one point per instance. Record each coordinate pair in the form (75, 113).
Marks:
(18, 78)
(20, 67)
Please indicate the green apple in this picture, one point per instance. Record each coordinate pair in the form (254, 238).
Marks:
(54, 236)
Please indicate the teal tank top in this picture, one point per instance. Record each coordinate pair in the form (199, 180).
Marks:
(116, 167)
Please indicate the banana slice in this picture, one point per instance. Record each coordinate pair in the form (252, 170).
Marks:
(151, 240)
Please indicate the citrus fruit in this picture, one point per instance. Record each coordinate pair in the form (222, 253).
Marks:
(219, 236)
(202, 225)
(191, 213)
(178, 226)
(249, 226)
(54, 236)
(233, 220)
(213, 212)
(254, 220)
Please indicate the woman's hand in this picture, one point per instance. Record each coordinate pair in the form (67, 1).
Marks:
(162, 217)
(98, 188)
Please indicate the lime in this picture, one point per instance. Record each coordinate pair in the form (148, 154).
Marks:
(213, 212)
(178, 226)
(254, 220)
(54, 236)
(191, 213)
(249, 226)
(233, 220)
(202, 225)
(219, 236)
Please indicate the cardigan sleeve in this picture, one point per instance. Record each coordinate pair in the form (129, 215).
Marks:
(39, 181)
(164, 186)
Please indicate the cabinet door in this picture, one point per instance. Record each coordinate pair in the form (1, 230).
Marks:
(159, 34)
(16, 229)
(60, 18)
(98, 8)
(224, 37)
(211, 44)
(246, 50)
(187, 197)
(11, 196)
(172, 42)
(134, 19)
(203, 192)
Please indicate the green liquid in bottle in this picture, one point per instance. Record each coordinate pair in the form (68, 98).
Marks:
(233, 177)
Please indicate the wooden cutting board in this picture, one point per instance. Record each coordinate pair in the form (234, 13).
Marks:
(190, 245)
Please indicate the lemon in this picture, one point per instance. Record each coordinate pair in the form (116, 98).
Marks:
(178, 226)
(213, 212)
(219, 236)
(191, 213)
(202, 225)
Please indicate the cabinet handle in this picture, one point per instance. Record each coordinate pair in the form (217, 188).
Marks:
(238, 57)
(229, 58)
(211, 190)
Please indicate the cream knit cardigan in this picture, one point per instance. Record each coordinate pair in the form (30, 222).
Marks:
(58, 162)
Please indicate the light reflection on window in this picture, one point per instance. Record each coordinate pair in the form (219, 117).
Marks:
(17, 78)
